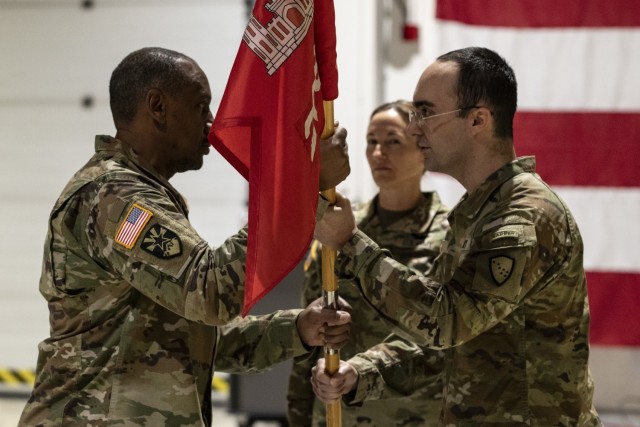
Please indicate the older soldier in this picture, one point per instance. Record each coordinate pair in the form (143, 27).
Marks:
(411, 225)
(509, 298)
(134, 292)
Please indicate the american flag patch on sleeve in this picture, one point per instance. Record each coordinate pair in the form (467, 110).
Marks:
(132, 226)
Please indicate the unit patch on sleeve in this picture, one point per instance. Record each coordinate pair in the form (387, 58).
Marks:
(501, 268)
(132, 226)
(161, 242)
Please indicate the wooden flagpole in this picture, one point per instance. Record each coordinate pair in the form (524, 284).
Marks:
(329, 282)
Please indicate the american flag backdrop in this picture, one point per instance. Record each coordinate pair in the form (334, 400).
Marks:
(578, 68)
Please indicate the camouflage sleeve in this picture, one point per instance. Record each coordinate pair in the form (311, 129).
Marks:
(300, 395)
(439, 315)
(256, 343)
(141, 235)
(395, 368)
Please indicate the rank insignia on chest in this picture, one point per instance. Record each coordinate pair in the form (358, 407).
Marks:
(161, 242)
(501, 268)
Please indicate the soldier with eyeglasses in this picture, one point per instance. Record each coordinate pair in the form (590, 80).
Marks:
(508, 298)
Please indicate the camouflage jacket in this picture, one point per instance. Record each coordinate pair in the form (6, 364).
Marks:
(509, 304)
(414, 240)
(134, 296)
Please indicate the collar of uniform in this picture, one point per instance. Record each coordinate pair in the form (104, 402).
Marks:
(470, 204)
(108, 144)
(417, 222)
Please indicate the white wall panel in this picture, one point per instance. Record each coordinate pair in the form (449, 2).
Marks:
(61, 54)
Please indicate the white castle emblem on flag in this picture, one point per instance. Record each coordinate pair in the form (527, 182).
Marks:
(312, 117)
(276, 41)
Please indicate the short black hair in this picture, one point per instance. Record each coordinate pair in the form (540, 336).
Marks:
(144, 69)
(486, 79)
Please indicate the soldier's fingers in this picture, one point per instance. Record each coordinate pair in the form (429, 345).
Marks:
(329, 390)
(337, 330)
(325, 395)
(320, 364)
(336, 335)
(338, 317)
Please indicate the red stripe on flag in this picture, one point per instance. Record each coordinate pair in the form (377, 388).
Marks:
(613, 301)
(581, 149)
(541, 13)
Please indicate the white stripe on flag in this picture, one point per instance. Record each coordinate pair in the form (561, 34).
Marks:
(609, 221)
(561, 69)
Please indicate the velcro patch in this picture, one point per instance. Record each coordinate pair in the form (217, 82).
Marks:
(501, 268)
(132, 226)
(161, 242)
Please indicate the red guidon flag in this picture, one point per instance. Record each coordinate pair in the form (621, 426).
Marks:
(577, 64)
(268, 127)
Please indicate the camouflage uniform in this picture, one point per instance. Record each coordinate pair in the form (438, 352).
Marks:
(512, 309)
(133, 310)
(414, 240)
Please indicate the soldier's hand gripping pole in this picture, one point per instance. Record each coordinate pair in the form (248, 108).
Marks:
(329, 282)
